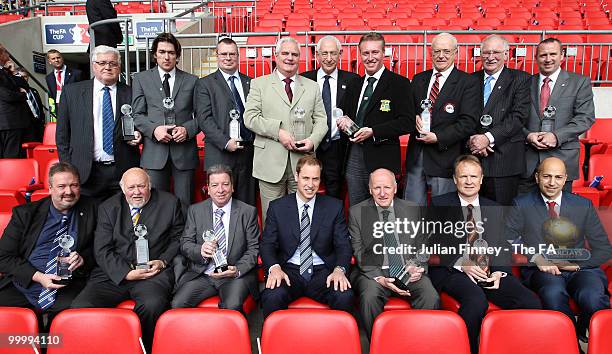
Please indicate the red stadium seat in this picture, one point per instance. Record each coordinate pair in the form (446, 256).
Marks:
(310, 332)
(527, 332)
(419, 332)
(306, 303)
(18, 179)
(41, 193)
(17, 321)
(213, 303)
(48, 139)
(203, 331)
(396, 303)
(108, 331)
(447, 302)
(5, 218)
(601, 165)
(600, 341)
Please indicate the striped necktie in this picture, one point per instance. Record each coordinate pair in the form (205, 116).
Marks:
(435, 90)
(46, 298)
(135, 215)
(108, 121)
(396, 263)
(305, 249)
(219, 231)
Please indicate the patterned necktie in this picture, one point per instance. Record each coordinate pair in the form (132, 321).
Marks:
(482, 260)
(135, 216)
(304, 247)
(435, 89)
(166, 85)
(544, 94)
(487, 89)
(245, 134)
(552, 213)
(108, 122)
(396, 263)
(58, 84)
(288, 82)
(34, 104)
(46, 298)
(219, 231)
(365, 100)
(326, 93)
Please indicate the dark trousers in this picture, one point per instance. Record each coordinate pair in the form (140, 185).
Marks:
(183, 182)
(151, 297)
(316, 289)
(473, 299)
(102, 182)
(10, 143)
(500, 189)
(232, 291)
(357, 177)
(332, 158)
(245, 186)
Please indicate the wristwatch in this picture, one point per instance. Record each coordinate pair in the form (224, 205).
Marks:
(342, 269)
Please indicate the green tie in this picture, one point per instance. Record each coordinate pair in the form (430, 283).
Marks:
(365, 100)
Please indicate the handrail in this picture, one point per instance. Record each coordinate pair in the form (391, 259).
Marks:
(92, 42)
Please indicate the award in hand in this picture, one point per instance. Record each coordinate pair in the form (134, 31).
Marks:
(169, 114)
(218, 257)
(142, 247)
(485, 121)
(352, 129)
(299, 126)
(426, 104)
(65, 242)
(548, 123)
(234, 126)
(127, 122)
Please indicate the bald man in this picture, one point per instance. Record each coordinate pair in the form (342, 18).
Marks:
(556, 281)
(119, 275)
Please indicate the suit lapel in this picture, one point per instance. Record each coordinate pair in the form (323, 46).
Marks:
(279, 88)
(317, 215)
(156, 82)
(540, 206)
(341, 87)
(381, 87)
(122, 95)
(246, 85)
(298, 90)
(449, 86)
(178, 80)
(498, 89)
(81, 217)
(232, 226)
(294, 216)
(207, 220)
(535, 93)
(559, 88)
(223, 85)
(88, 97)
(38, 221)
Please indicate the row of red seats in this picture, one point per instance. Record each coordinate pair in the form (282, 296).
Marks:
(9, 18)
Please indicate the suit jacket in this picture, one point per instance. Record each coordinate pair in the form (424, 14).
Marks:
(14, 110)
(22, 232)
(573, 98)
(447, 208)
(362, 218)
(114, 246)
(147, 96)
(529, 212)
(389, 114)
(109, 34)
(72, 75)
(74, 134)
(509, 107)
(268, 109)
(213, 101)
(329, 236)
(454, 119)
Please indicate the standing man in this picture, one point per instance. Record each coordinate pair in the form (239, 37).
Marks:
(30, 245)
(119, 276)
(454, 97)
(169, 149)
(271, 113)
(37, 127)
(572, 96)
(333, 83)
(234, 225)
(306, 248)
(109, 34)
(499, 142)
(377, 276)
(215, 96)
(460, 273)
(379, 103)
(89, 132)
(14, 111)
(61, 75)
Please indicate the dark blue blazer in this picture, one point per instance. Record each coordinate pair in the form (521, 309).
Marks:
(329, 235)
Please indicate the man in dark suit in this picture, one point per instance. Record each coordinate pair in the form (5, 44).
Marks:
(306, 249)
(378, 273)
(557, 279)
(572, 96)
(61, 75)
(215, 96)
(379, 103)
(14, 111)
(333, 83)
(236, 235)
(37, 127)
(109, 34)
(89, 132)
(169, 149)
(119, 275)
(454, 94)
(499, 143)
(464, 272)
(29, 246)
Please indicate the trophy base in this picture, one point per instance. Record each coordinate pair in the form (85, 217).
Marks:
(143, 266)
(63, 281)
(239, 143)
(400, 284)
(485, 284)
(300, 145)
(128, 137)
(221, 269)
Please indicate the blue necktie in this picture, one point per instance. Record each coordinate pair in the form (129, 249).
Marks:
(245, 134)
(219, 231)
(327, 104)
(108, 122)
(487, 88)
(46, 298)
(304, 247)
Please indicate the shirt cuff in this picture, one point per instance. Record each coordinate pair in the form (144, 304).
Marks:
(491, 139)
(458, 264)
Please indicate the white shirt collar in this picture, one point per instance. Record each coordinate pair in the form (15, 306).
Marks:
(444, 73)
(553, 77)
(378, 206)
(162, 73)
(556, 200)
(377, 74)
(495, 76)
(226, 76)
(283, 77)
(300, 202)
(98, 86)
(321, 74)
(227, 208)
(464, 203)
(63, 69)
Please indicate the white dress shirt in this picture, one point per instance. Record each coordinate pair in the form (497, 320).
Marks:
(98, 95)
(237, 82)
(376, 75)
(445, 74)
(477, 219)
(333, 89)
(170, 80)
(282, 77)
(295, 259)
(553, 79)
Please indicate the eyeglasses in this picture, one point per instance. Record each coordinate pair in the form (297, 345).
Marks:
(111, 64)
(227, 55)
(493, 53)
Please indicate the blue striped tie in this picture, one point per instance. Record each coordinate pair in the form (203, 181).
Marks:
(108, 122)
(305, 249)
(46, 298)
(219, 231)
(487, 89)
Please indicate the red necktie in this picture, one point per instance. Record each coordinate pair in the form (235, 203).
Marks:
(288, 88)
(59, 80)
(435, 89)
(544, 94)
(551, 210)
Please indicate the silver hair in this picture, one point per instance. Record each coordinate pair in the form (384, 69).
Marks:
(446, 35)
(498, 37)
(219, 169)
(104, 49)
(283, 41)
(329, 38)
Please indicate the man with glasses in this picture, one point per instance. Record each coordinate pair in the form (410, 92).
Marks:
(504, 106)
(89, 131)
(333, 83)
(217, 97)
(452, 95)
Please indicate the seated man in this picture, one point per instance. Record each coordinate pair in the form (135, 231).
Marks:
(30, 246)
(377, 275)
(122, 273)
(474, 276)
(555, 278)
(233, 231)
(306, 248)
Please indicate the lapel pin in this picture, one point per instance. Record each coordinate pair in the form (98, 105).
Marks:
(499, 87)
(81, 213)
(563, 84)
(343, 87)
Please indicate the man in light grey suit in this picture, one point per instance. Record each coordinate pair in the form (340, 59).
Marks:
(572, 96)
(236, 235)
(374, 277)
(215, 96)
(169, 149)
(270, 113)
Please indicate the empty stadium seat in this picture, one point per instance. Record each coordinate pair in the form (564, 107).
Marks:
(601, 165)
(17, 321)
(48, 139)
(202, 331)
(213, 303)
(600, 341)
(307, 303)
(43, 192)
(447, 302)
(18, 179)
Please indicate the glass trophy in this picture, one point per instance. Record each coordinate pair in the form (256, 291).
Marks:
(218, 257)
(65, 242)
(548, 123)
(234, 126)
(352, 129)
(299, 126)
(142, 247)
(169, 114)
(426, 105)
(485, 121)
(127, 122)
